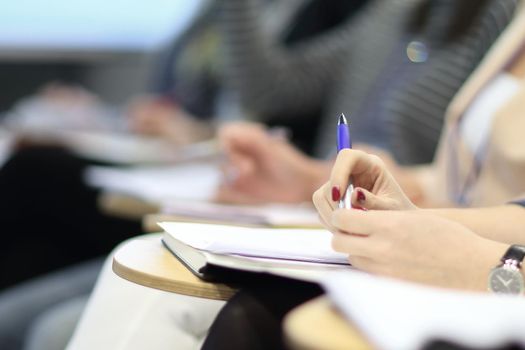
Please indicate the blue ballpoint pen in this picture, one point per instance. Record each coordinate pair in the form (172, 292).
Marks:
(344, 141)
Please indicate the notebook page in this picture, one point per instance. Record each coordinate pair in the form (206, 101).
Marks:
(300, 270)
(296, 215)
(292, 244)
(400, 315)
(160, 183)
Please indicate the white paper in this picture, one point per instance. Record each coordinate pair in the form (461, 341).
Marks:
(293, 244)
(96, 130)
(399, 315)
(114, 147)
(299, 270)
(123, 148)
(133, 149)
(195, 181)
(272, 214)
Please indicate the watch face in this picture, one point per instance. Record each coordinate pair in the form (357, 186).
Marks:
(506, 280)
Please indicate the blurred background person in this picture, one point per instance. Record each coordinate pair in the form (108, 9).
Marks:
(280, 172)
(189, 89)
(46, 182)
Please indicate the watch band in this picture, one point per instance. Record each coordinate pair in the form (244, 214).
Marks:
(515, 252)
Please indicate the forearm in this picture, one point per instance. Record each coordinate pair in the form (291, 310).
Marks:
(422, 184)
(504, 223)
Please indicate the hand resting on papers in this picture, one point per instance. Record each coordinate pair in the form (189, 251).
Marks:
(158, 116)
(261, 167)
(415, 246)
(393, 237)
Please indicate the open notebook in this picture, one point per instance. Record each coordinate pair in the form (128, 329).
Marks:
(212, 252)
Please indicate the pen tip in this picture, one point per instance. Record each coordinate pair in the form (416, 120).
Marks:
(342, 119)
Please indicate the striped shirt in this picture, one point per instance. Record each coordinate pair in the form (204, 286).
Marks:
(362, 68)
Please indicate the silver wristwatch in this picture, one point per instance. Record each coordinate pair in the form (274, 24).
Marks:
(507, 277)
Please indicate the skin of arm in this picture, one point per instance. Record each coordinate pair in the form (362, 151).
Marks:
(392, 236)
(415, 246)
(377, 189)
(453, 248)
(504, 223)
(158, 116)
(260, 167)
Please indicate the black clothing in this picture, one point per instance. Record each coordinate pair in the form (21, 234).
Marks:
(49, 217)
(252, 318)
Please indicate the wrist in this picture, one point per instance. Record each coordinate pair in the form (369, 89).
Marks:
(507, 277)
(490, 253)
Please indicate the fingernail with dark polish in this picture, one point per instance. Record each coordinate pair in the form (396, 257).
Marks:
(361, 198)
(336, 195)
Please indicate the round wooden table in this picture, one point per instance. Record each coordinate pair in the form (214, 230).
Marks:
(145, 260)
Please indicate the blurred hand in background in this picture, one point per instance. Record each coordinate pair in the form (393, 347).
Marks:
(159, 116)
(264, 167)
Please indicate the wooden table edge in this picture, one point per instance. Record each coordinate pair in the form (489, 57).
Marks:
(127, 265)
(318, 325)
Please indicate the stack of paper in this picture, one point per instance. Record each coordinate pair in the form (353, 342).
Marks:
(95, 130)
(111, 147)
(197, 181)
(298, 253)
(273, 215)
(399, 315)
(288, 244)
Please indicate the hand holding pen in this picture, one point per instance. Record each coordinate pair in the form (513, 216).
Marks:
(367, 183)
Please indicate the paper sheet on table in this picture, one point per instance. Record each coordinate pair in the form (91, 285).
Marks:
(122, 148)
(296, 215)
(399, 315)
(292, 244)
(95, 130)
(111, 147)
(196, 181)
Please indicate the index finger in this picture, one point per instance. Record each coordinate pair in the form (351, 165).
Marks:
(354, 164)
(248, 139)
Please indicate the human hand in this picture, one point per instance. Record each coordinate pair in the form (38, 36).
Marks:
(415, 246)
(405, 175)
(60, 106)
(151, 115)
(374, 185)
(67, 94)
(264, 168)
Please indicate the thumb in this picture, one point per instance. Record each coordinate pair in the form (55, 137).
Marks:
(367, 200)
